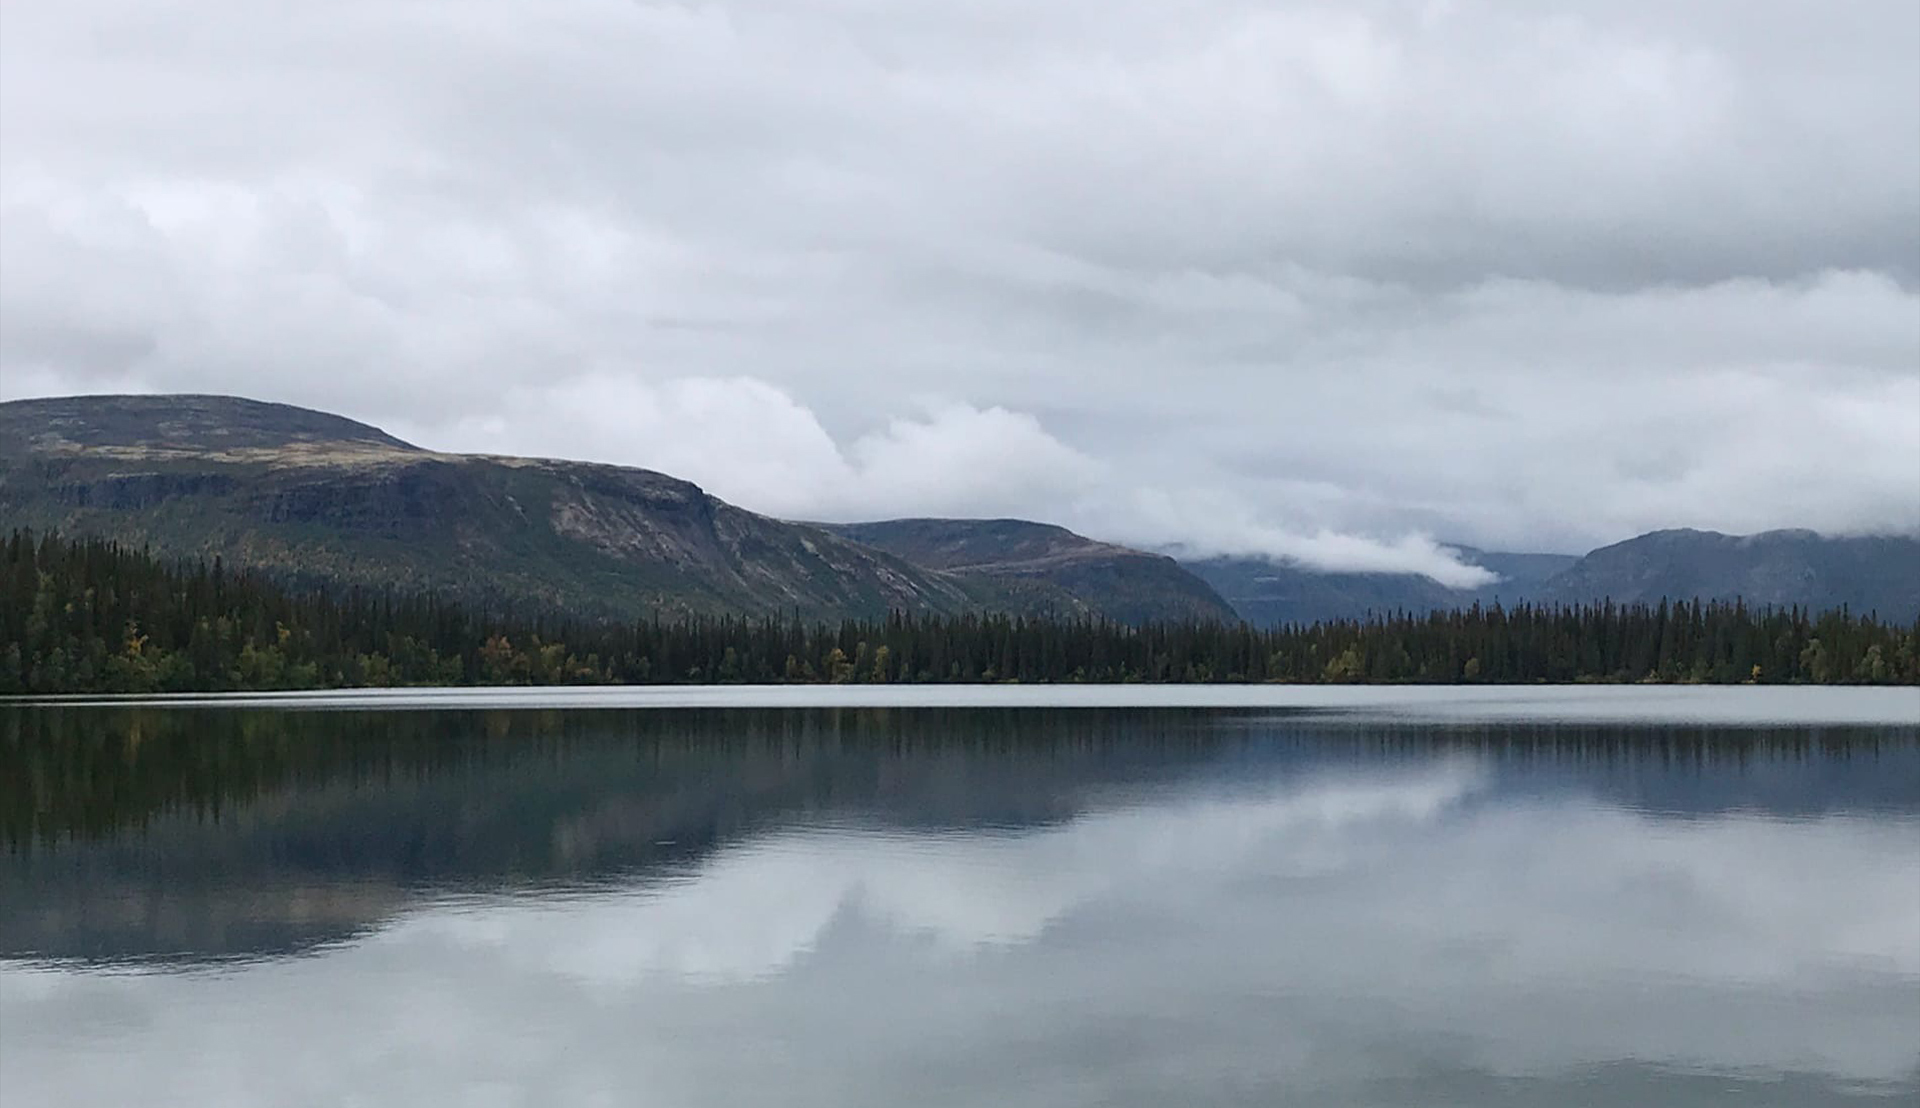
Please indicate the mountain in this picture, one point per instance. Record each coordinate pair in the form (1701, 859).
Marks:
(1269, 594)
(1052, 568)
(1520, 574)
(1878, 574)
(317, 498)
(1777, 568)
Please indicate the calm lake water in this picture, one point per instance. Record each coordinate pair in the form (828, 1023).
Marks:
(996, 897)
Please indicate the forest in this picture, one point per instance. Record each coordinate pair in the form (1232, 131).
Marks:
(90, 616)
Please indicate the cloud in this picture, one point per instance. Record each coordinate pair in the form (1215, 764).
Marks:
(750, 443)
(1513, 276)
(753, 444)
(754, 912)
(1201, 525)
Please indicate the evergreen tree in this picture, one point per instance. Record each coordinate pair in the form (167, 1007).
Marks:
(91, 616)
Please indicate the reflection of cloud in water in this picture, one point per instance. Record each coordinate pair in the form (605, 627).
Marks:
(1312, 938)
(752, 909)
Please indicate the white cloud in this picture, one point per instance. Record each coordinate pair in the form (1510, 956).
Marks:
(752, 444)
(1202, 525)
(959, 460)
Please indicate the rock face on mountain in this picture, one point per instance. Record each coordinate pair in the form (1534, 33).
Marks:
(1049, 569)
(319, 498)
(1878, 574)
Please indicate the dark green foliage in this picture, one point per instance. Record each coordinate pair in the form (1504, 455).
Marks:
(93, 616)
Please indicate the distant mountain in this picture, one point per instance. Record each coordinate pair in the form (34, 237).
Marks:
(1520, 574)
(1868, 574)
(1050, 567)
(1779, 568)
(318, 498)
(1269, 594)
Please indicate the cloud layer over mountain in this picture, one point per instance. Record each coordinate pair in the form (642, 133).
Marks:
(1317, 280)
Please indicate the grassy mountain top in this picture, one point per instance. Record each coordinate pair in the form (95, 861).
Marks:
(962, 544)
(206, 425)
(1055, 568)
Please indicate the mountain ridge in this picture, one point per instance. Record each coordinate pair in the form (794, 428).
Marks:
(321, 499)
(1779, 568)
(324, 499)
(1075, 574)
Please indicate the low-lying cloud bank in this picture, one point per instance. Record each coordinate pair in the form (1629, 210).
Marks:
(753, 444)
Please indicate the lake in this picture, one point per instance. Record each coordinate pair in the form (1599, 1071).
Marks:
(851, 897)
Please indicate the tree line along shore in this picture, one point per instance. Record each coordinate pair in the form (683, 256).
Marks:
(93, 616)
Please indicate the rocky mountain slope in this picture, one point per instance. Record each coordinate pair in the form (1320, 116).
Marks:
(316, 497)
(1051, 567)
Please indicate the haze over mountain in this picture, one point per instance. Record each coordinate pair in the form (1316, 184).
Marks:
(1879, 574)
(315, 497)
(1268, 594)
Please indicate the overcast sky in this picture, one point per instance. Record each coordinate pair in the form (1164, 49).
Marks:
(1324, 280)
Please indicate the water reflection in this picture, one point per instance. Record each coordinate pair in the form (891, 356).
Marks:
(954, 908)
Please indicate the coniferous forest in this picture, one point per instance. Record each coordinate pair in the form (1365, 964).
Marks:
(93, 616)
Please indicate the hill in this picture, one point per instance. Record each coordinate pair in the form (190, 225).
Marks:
(1866, 573)
(1777, 568)
(1269, 594)
(185, 425)
(317, 498)
(1052, 568)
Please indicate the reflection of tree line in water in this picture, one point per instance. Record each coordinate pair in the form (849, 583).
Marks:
(84, 773)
